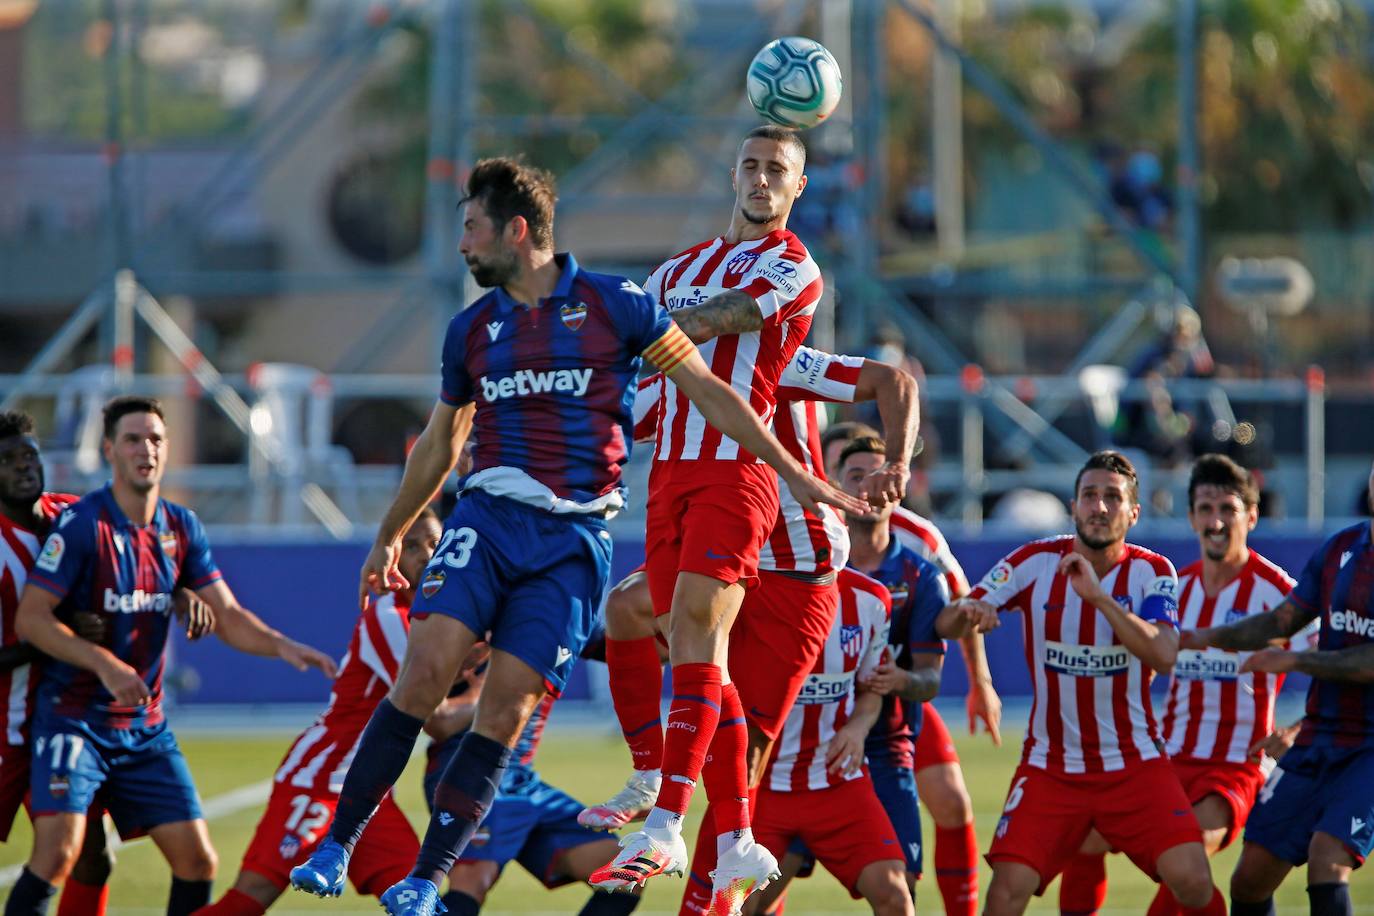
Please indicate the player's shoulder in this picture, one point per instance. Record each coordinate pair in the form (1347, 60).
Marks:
(1267, 571)
(903, 519)
(1343, 540)
(179, 515)
(1160, 564)
(860, 584)
(1191, 571)
(476, 312)
(51, 505)
(793, 248)
(84, 512)
(1041, 549)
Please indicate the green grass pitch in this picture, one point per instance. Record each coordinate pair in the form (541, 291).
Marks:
(589, 766)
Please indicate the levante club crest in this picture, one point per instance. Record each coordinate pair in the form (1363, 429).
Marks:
(573, 314)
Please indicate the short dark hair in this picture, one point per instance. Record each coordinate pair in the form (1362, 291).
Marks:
(428, 514)
(507, 188)
(863, 445)
(1221, 471)
(847, 430)
(15, 423)
(118, 408)
(1117, 463)
(779, 134)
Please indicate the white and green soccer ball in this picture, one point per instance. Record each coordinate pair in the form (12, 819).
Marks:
(794, 82)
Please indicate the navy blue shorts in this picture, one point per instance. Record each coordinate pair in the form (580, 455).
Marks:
(896, 788)
(530, 821)
(140, 773)
(1325, 789)
(532, 579)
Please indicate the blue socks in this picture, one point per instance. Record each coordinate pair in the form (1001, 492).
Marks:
(461, 799)
(383, 752)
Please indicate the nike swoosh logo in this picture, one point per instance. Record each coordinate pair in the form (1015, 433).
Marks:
(712, 555)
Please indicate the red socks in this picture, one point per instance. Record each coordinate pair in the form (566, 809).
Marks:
(84, 899)
(692, 720)
(727, 783)
(956, 869)
(636, 681)
(233, 903)
(1164, 903)
(1083, 885)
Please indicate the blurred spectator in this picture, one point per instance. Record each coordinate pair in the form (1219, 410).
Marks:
(1158, 425)
(916, 212)
(1033, 511)
(1137, 187)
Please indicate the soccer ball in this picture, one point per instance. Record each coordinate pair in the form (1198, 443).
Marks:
(794, 82)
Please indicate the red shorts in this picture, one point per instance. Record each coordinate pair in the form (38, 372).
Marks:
(14, 785)
(934, 746)
(707, 517)
(296, 820)
(844, 827)
(779, 633)
(1140, 811)
(1237, 784)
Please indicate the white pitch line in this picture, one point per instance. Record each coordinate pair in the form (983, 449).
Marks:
(231, 802)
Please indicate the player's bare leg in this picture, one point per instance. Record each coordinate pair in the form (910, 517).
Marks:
(635, 665)
(942, 790)
(87, 890)
(1013, 884)
(1214, 817)
(434, 652)
(1184, 870)
(186, 847)
(883, 885)
(57, 842)
(1329, 865)
(1257, 876)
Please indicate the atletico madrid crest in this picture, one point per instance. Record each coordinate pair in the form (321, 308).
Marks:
(573, 314)
(851, 639)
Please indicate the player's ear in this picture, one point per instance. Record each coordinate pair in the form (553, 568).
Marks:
(801, 185)
(734, 181)
(107, 450)
(517, 230)
(1251, 517)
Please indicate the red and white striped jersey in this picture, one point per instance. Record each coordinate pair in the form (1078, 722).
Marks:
(800, 541)
(319, 758)
(1091, 711)
(1215, 712)
(18, 549)
(781, 276)
(853, 648)
(921, 535)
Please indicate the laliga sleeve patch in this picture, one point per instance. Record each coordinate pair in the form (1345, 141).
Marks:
(51, 557)
(997, 580)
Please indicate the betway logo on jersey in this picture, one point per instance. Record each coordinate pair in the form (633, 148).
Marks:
(137, 602)
(1086, 661)
(1211, 665)
(680, 297)
(1349, 621)
(525, 382)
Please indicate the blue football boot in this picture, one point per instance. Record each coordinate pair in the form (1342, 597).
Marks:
(324, 873)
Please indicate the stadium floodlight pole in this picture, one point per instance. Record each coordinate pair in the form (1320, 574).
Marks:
(1082, 183)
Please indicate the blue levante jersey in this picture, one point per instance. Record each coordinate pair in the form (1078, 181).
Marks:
(1338, 586)
(554, 386)
(97, 560)
(919, 594)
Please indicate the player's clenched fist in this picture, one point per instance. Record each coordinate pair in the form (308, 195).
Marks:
(123, 683)
(1081, 575)
(978, 615)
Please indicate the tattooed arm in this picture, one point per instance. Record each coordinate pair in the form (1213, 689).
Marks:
(1354, 665)
(730, 312)
(1254, 632)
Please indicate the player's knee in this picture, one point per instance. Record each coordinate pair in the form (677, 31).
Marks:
(197, 862)
(888, 895)
(629, 611)
(1327, 859)
(422, 683)
(1009, 895)
(1192, 888)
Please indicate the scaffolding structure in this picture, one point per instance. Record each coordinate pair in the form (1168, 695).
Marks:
(458, 112)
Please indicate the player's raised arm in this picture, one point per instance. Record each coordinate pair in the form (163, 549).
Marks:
(37, 625)
(895, 394)
(724, 409)
(435, 454)
(245, 631)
